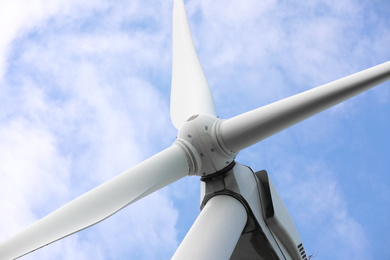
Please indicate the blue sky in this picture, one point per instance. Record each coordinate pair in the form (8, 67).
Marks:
(84, 90)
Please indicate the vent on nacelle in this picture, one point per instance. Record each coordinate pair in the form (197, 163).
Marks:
(278, 219)
(302, 251)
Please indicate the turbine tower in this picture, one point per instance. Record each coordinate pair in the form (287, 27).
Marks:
(242, 216)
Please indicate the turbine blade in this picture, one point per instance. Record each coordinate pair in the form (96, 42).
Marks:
(98, 204)
(190, 92)
(216, 231)
(249, 128)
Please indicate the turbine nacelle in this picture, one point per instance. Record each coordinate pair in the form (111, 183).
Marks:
(200, 139)
(242, 216)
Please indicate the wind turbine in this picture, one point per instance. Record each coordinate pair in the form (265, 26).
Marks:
(206, 146)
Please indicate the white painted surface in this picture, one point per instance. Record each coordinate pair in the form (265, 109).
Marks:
(94, 206)
(215, 232)
(249, 128)
(190, 94)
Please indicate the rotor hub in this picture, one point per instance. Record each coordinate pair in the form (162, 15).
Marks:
(199, 137)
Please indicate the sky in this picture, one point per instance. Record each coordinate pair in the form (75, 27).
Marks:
(84, 91)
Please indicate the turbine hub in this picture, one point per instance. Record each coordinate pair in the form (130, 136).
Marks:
(199, 138)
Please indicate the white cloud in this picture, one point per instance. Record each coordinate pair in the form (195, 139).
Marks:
(69, 123)
(32, 170)
(88, 83)
(19, 17)
(321, 209)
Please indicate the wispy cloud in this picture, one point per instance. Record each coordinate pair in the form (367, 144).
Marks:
(84, 90)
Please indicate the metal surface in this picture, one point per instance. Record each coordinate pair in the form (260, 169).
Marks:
(266, 235)
(234, 221)
(160, 170)
(215, 232)
(190, 93)
(277, 217)
(199, 138)
(249, 128)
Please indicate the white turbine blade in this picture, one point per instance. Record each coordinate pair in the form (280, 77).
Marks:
(215, 232)
(249, 128)
(96, 205)
(190, 93)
